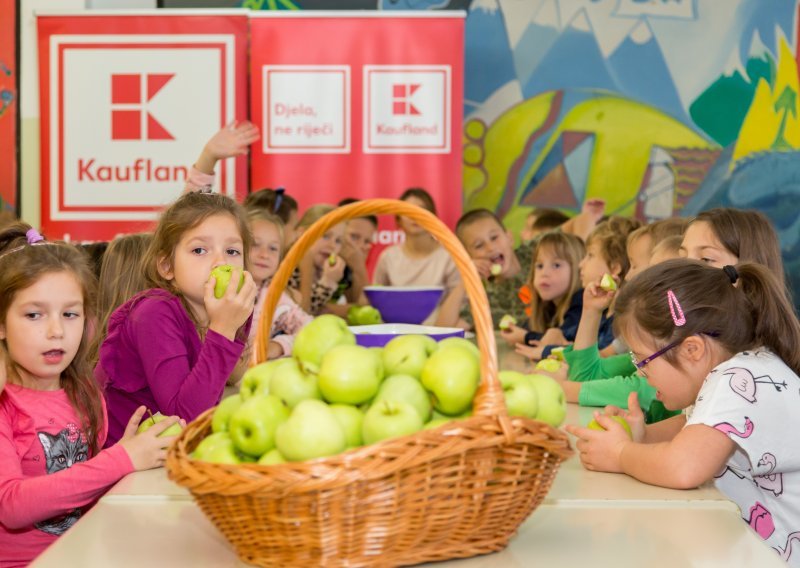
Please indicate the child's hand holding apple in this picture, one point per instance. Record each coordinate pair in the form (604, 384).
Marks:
(148, 449)
(513, 334)
(596, 298)
(332, 272)
(229, 312)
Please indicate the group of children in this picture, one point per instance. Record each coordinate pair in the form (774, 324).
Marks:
(698, 353)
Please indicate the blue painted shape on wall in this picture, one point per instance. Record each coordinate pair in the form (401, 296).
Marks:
(488, 57)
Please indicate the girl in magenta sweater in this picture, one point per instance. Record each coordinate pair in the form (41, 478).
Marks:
(173, 346)
(52, 417)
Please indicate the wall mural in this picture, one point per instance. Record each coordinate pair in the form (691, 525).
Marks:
(660, 107)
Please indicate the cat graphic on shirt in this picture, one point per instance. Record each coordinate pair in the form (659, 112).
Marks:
(61, 451)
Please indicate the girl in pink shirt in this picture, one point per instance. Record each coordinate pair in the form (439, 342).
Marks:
(52, 417)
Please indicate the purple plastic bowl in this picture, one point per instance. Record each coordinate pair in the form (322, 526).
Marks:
(381, 334)
(404, 304)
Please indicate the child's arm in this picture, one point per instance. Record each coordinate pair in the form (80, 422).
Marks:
(450, 309)
(587, 365)
(232, 140)
(28, 500)
(583, 223)
(615, 391)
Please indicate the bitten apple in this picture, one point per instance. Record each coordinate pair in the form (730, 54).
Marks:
(222, 274)
(507, 321)
(607, 283)
(549, 365)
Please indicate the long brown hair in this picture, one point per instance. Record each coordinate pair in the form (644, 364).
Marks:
(755, 312)
(121, 277)
(187, 212)
(569, 248)
(21, 269)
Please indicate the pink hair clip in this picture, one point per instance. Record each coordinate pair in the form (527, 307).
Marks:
(33, 236)
(675, 309)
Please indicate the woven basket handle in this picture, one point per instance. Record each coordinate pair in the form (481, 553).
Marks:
(489, 400)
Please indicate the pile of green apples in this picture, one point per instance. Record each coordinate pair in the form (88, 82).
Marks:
(333, 395)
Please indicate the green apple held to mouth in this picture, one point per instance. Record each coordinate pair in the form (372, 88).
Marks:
(390, 419)
(496, 269)
(350, 374)
(405, 388)
(351, 420)
(147, 423)
(222, 414)
(317, 338)
(256, 380)
(552, 401)
(549, 365)
(291, 384)
(406, 354)
(312, 431)
(222, 274)
(595, 425)
(607, 283)
(252, 426)
(520, 395)
(451, 375)
(332, 259)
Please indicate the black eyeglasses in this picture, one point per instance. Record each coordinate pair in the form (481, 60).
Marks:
(640, 365)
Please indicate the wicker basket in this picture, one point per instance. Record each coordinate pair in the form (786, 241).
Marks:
(457, 491)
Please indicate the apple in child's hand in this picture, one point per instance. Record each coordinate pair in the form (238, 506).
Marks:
(252, 426)
(350, 374)
(607, 283)
(291, 384)
(222, 414)
(406, 354)
(390, 419)
(256, 379)
(145, 424)
(552, 401)
(222, 274)
(451, 375)
(595, 425)
(520, 394)
(507, 321)
(558, 353)
(332, 259)
(312, 431)
(549, 365)
(405, 388)
(496, 269)
(350, 419)
(272, 457)
(317, 338)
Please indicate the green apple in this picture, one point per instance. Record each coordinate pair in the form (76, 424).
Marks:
(272, 457)
(317, 338)
(460, 342)
(364, 315)
(256, 379)
(252, 426)
(405, 388)
(595, 425)
(436, 415)
(451, 375)
(312, 431)
(349, 374)
(496, 269)
(350, 419)
(507, 321)
(549, 365)
(222, 414)
(436, 422)
(291, 384)
(520, 394)
(406, 354)
(607, 283)
(145, 424)
(332, 259)
(390, 419)
(217, 448)
(558, 353)
(552, 402)
(223, 277)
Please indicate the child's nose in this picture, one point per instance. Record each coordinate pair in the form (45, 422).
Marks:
(54, 329)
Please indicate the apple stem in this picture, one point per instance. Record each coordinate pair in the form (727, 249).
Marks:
(151, 415)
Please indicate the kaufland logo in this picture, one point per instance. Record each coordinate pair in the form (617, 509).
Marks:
(407, 109)
(130, 96)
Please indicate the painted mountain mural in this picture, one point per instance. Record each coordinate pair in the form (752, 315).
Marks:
(489, 61)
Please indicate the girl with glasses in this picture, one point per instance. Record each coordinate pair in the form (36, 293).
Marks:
(721, 344)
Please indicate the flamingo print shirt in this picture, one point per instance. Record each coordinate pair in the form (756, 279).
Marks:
(754, 398)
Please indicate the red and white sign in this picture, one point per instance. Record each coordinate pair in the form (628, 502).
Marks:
(127, 104)
(359, 106)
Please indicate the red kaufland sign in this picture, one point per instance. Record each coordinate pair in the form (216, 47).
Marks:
(127, 103)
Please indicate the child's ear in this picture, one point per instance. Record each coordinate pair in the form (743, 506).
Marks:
(616, 269)
(694, 347)
(165, 268)
(2, 331)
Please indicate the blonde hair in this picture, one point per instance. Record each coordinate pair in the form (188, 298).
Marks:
(567, 247)
(659, 230)
(314, 214)
(256, 214)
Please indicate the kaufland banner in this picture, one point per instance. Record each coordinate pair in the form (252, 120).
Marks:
(358, 105)
(127, 103)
